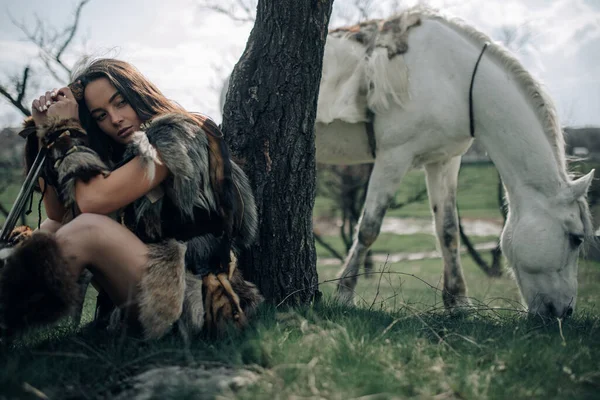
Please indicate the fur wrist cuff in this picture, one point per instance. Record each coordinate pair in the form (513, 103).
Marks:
(69, 158)
(79, 162)
(55, 126)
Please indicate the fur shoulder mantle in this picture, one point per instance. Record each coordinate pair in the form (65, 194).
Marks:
(183, 146)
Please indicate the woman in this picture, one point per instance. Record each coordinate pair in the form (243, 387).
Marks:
(144, 195)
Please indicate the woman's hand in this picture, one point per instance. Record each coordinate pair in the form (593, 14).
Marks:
(58, 102)
(65, 106)
(39, 107)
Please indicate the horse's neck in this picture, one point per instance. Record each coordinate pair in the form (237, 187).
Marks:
(526, 167)
(507, 124)
(505, 117)
(512, 134)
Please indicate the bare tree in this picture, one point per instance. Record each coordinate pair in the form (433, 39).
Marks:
(52, 44)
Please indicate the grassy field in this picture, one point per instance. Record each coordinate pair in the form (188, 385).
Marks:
(477, 194)
(397, 343)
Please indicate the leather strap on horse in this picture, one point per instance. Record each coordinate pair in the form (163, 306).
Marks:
(371, 131)
(471, 118)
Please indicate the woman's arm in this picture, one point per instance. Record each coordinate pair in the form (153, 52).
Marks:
(54, 208)
(103, 195)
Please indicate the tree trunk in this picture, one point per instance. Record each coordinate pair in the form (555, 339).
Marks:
(268, 121)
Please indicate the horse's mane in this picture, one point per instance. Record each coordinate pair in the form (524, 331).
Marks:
(541, 101)
(543, 104)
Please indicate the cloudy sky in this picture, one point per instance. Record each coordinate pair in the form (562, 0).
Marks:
(187, 50)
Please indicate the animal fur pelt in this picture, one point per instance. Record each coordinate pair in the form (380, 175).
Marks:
(168, 294)
(35, 287)
(184, 148)
(69, 158)
(194, 208)
(363, 68)
(162, 289)
(19, 234)
(228, 298)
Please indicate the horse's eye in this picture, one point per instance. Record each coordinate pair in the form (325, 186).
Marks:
(575, 240)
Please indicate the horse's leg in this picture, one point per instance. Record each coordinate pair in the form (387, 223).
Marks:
(441, 184)
(388, 171)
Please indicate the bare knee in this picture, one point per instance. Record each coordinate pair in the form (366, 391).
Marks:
(50, 225)
(84, 224)
(81, 235)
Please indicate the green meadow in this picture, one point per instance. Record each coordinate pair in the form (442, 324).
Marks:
(398, 342)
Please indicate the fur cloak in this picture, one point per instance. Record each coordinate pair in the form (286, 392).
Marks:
(194, 223)
(190, 207)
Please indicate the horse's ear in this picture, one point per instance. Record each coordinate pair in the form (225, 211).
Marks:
(579, 187)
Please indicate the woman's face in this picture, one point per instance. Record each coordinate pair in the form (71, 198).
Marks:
(108, 107)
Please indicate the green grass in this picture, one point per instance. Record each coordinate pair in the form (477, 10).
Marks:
(7, 199)
(417, 285)
(398, 342)
(404, 347)
(392, 243)
(477, 194)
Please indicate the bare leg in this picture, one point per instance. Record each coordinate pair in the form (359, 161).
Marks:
(116, 257)
(441, 184)
(385, 180)
(50, 225)
(38, 284)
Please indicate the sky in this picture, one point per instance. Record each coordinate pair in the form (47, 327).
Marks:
(187, 50)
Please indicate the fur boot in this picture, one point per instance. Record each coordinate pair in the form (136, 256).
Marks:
(228, 298)
(36, 288)
(162, 288)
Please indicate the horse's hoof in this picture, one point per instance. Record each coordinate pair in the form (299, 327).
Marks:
(344, 295)
(457, 304)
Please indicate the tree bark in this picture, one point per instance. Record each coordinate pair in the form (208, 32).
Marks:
(268, 121)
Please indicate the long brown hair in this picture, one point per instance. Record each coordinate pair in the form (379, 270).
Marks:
(143, 96)
(148, 101)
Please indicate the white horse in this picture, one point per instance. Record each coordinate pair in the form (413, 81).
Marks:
(408, 80)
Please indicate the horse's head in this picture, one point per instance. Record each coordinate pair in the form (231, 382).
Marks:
(542, 241)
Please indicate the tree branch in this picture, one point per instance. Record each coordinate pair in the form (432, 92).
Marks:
(247, 8)
(22, 86)
(327, 246)
(71, 32)
(14, 102)
(47, 42)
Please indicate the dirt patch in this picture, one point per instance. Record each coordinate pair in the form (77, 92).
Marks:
(410, 226)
